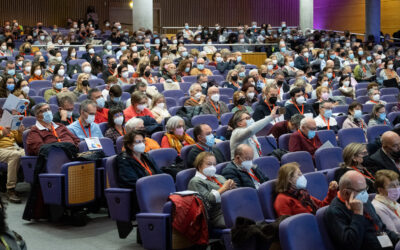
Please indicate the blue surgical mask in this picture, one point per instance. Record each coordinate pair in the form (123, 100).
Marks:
(362, 196)
(321, 56)
(332, 57)
(301, 182)
(270, 67)
(291, 64)
(200, 66)
(116, 99)
(283, 49)
(357, 114)
(351, 56)
(187, 69)
(329, 75)
(242, 74)
(311, 134)
(249, 122)
(59, 85)
(48, 117)
(184, 54)
(100, 102)
(10, 87)
(239, 59)
(369, 58)
(360, 52)
(328, 113)
(11, 72)
(210, 140)
(382, 116)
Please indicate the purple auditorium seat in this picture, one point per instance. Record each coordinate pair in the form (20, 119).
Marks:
(340, 109)
(38, 99)
(163, 157)
(221, 131)
(389, 107)
(225, 118)
(349, 135)
(225, 99)
(336, 92)
(125, 96)
(284, 141)
(182, 100)
(171, 102)
(57, 157)
(157, 136)
(367, 108)
(172, 111)
(389, 98)
(317, 185)
(159, 86)
(106, 143)
(209, 119)
(28, 121)
(28, 162)
(40, 84)
(185, 153)
(323, 228)
(221, 166)
(361, 92)
(93, 83)
(2, 101)
(54, 108)
(362, 85)
(191, 79)
(216, 78)
(362, 99)
(267, 143)
(175, 94)
(185, 87)
(389, 91)
(77, 61)
(225, 148)
(190, 132)
(53, 100)
(82, 97)
(328, 158)
(268, 165)
(126, 88)
(76, 108)
(303, 158)
(340, 120)
(392, 115)
(327, 135)
(103, 127)
(376, 131)
(119, 144)
(183, 178)
(267, 195)
(300, 232)
(227, 91)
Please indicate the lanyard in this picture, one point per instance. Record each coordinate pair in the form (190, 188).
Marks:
(55, 133)
(327, 123)
(273, 105)
(144, 165)
(302, 108)
(20, 113)
(200, 147)
(83, 129)
(313, 140)
(368, 216)
(236, 85)
(258, 147)
(120, 132)
(214, 180)
(194, 100)
(70, 121)
(216, 110)
(253, 175)
(111, 72)
(5, 243)
(370, 176)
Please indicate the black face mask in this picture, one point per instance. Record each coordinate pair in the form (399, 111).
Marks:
(147, 73)
(43, 64)
(234, 78)
(125, 62)
(395, 154)
(342, 54)
(27, 50)
(380, 52)
(309, 74)
(273, 100)
(156, 63)
(242, 101)
(135, 61)
(263, 75)
(279, 83)
(85, 83)
(114, 66)
(173, 51)
(30, 41)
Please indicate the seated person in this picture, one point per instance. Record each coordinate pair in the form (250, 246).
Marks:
(354, 117)
(374, 97)
(65, 114)
(205, 141)
(242, 170)
(159, 108)
(137, 124)
(213, 105)
(232, 80)
(239, 100)
(292, 197)
(353, 157)
(101, 112)
(110, 81)
(85, 127)
(388, 156)
(385, 201)
(175, 137)
(298, 105)
(82, 85)
(285, 127)
(210, 186)
(199, 69)
(196, 96)
(324, 120)
(57, 83)
(265, 105)
(138, 106)
(352, 222)
(378, 116)
(115, 124)
(45, 131)
(305, 139)
(114, 96)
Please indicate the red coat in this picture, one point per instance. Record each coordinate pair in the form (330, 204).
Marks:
(101, 115)
(287, 205)
(189, 218)
(299, 142)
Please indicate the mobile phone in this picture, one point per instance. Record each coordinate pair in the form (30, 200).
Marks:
(282, 111)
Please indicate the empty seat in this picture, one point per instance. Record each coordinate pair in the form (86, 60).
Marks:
(211, 120)
(376, 131)
(303, 158)
(349, 135)
(163, 157)
(268, 165)
(328, 158)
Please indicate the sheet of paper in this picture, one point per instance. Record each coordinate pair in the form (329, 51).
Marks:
(93, 143)
(11, 121)
(14, 103)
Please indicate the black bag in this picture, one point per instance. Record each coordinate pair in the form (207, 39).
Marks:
(277, 152)
(174, 168)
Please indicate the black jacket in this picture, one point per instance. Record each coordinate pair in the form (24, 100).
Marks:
(291, 110)
(195, 151)
(378, 161)
(130, 170)
(226, 66)
(57, 118)
(261, 110)
(240, 177)
(352, 231)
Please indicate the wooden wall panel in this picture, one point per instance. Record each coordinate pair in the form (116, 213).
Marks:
(390, 18)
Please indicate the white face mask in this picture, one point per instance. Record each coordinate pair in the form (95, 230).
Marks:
(247, 165)
(390, 66)
(251, 95)
(61, 72)
(161, 105)
(25, 89)
(125, 74)
(73, 54)
(197, 96)
(69, 114)
(204, 85)
(215, 98)
(376, 97)
(38, 72)
(119, 120)
(28, 68)
(139, 148)
(90, 119)
(141, 107)
(346, 83)
(300, 100)
(87, 69)
(325, 84)
(91, 51)
(209, 171)
(306, 54)
(3, 48)
(363, 61)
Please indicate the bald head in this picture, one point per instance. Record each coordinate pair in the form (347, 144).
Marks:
(243, 152)
(330, 63)
(391, 144)
(389, 137)
(351, 182)
(200, 61)
(212, 91)
(308, 122)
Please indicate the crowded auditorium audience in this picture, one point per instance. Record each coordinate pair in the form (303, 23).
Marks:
(141, 91)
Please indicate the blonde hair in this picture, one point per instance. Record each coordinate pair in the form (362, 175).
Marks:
(156, 97)
(229, 75)
(79, 85)
(200, 158)
(381, 175)
(286, 172)
(163, 62)
(318, 91)
(350, 151)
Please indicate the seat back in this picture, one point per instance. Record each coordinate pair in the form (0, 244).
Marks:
(106, 143)
(111, 172)
(153, 191)
(248, 207)
(327, 135)
(119, 144)
(225, 148)
(376, 131)
(340, 120)
(185, 153)
(170, 102)
(327, 158)
(40, 84)
(157, 136)
(340, 109)
(163, 157)
(267, 195)
(174, 93)
(24, 137)
(284, 141)
(221, 166)
(56, 158)
(225, 118)
(392, 115)
(28, 121)
(268, 165)
(300, 232)
(317, 185)
(183, 178)
(103, 127)
(211, 120)
(79, 182)
(349, 135)
(323, 228)
(303, 158)
(267, 143)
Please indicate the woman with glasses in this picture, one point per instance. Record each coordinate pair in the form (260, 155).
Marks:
(378, 116)
(176, 137)
(353, 157)
(115, 124)
(385, 202)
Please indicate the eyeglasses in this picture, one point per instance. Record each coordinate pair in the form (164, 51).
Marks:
(44, 110)
(138, 141)
(247, 118)
(359, 191)
(362, 154)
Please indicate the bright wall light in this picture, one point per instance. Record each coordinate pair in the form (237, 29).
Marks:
(131, 4)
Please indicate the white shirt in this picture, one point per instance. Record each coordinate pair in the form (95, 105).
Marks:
(320, 122)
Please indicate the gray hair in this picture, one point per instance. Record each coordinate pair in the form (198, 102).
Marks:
(173, 123)
(25, 62)
(296, 120)
(304, 121)
(38, 107)
(371, 91)
(253, 71)
(85, 104)
(132, 124)
(193, 86)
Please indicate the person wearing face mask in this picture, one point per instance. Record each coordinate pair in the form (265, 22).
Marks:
(324, 120)
(114, 97)
(123, 76)
(305, 138)
(7, 86)
(269, 101)
(351, 220)
(116, 124)
(210, 186)
(292, 196)
(303, 60)
(176, 137)
(227, 63)
(200, 68)
(232, 80)
(138, 106)
(82, 85)
(353, 159)
(388, 73)
(159, 108)
(242, 170)
(196, 96)
(87, 69)
(58, 87)
(378, 116)
(170, 74)
(345, 86)
(245, 130)
(362, 72)
(385, 201)
(101, 112)
(65, 114)
(213, 105)
(107, 50)
(133, 163)
(298, 105)
(45, 131)
(354, 117)
(205, 142)
(137, 124)
(239, 100)
(85, 127)
(90, 53)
